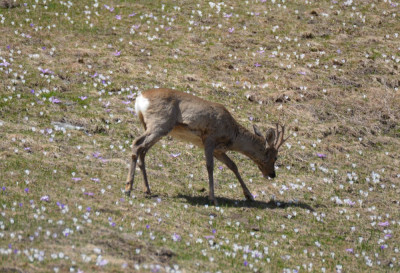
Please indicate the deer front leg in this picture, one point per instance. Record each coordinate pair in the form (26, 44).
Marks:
(209, 151)
(232, 166)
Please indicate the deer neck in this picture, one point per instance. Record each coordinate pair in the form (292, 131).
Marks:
(249, 144)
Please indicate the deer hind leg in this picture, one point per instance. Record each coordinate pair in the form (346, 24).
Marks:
(131, 174)
(232, 166)
(140, 146)
(142, 167)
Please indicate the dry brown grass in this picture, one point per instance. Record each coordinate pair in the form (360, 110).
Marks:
(341, 98)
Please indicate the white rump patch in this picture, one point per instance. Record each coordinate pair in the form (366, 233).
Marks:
(141, 104)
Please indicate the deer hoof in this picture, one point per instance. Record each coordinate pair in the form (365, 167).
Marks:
(128, 193)
(214, 201)
(249, 197)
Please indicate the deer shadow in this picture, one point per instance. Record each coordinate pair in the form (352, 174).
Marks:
(227, 202)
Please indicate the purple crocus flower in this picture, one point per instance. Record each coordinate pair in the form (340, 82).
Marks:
(176, 237)
(103, 262)
(54, 100)
(175, 155)
(46, 71)
(109, 8)
(5, 63)
(45, 198)
(383, 224)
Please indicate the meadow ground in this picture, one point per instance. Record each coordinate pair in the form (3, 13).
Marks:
(69, 75)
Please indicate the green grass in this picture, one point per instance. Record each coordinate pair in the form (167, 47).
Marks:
(310, 214)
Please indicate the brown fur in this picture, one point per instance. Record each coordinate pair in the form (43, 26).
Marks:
(208, 125)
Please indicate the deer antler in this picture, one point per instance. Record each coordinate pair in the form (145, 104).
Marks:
(280, 136)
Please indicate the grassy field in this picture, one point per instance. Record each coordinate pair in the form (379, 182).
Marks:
(69, 75)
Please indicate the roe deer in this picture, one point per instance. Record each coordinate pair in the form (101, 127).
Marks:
(206, 124)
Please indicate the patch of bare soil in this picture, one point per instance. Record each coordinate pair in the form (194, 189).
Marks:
(343, 82)
(11, 270)
(119, 247)
(93, 126)
(9, 4)
(124, 245)
(296, 95)
(164, 255)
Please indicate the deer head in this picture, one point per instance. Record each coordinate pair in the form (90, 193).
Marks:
(273, 141)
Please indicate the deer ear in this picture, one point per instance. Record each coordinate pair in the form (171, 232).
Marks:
(257, 131)
(270, 137)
